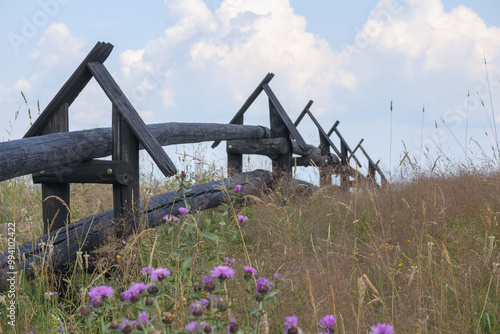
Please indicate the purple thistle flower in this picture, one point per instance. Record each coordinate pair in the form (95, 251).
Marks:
(146, 270)
(159, 274)
(229, 261)
(182, 175)
(232, 327)
(249, 272)
(277, 276)
(237, 189)
(193, 327)
(263, 285)
(207, 279)
(127, 326)
(222, 272)
(196, 308)
(143, 317)
(183, 211)
(170, 218)
(382, 329)
(327, 322)
(208, 283)
(98, 293)
(134, 293)
(291, 324)
(242, 219)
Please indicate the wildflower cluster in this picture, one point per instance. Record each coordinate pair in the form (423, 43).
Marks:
(327, 324)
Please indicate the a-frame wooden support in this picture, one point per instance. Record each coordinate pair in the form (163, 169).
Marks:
(128, 131)
(372, 167)
(281, 127)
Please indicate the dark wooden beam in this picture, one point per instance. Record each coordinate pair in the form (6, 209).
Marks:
(126, 197)
(343, 142)
(270, 147)
(72, 88)
(56, 195)
(239, 115)
(30, 155)
(317, 160)
(91, 171)
(132, 118)
(303, 113)
(281, 164)
(234, 159)
(374, 166)
(283, 116)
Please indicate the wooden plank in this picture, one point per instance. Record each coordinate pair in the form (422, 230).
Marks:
(234, 160)
(281, 163)
(322, 135)
(73, 86)
(87, 234)
(343, 142)
(281, 113)
(92, 171)
(356, 148)
(56, 195)
(374, 166)
(125, 197)
(130, 115)
(303, 113)
(346, 169)
(317, 160)
(325, 170)
(247, 104)
(270, 147)
(34, 154)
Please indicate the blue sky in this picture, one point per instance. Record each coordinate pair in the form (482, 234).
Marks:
(194, 60)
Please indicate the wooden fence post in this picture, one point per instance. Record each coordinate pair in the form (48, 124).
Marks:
(55, 195)
(325, 170)
(234, 161)
(125, 197)
(282, 164)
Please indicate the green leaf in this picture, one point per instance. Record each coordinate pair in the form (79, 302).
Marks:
(210, 236)
(187, 263)
(169, 307)
(271, 294)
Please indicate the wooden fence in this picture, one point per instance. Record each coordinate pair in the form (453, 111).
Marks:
(56, 158)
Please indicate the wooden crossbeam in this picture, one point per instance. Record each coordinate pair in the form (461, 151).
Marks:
(284, 117)
(128, 112)
(303, 113)
(373, 165)
(238, 118)
(324, 137)
(342, 140)
(70, 90)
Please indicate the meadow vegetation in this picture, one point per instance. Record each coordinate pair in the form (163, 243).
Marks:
(421, 254)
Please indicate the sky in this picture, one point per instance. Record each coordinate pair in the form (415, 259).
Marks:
(198, 61)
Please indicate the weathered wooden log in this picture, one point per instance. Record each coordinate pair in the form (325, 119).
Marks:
(311, 149)
(34, 154)
(271, 147)
(317, 160)
(57, 247)
(92, 171)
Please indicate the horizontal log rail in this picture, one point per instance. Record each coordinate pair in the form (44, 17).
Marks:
(34, 154)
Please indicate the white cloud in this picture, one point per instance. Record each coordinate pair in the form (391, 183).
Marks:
(436, 40)
(57, 48)
(234, 48)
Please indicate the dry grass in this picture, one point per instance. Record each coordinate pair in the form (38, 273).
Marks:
(421, 254)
